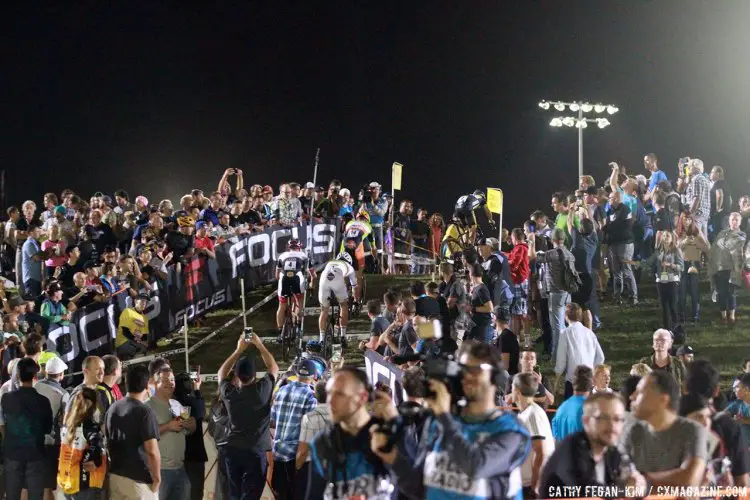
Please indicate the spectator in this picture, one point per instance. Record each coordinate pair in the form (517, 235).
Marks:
(669, 450)
(651, 162)
(32, 346)
(532, 416)
(420, 233)
(154, 368)
(82, 465)
(58, 398)
(391, 299)
(402, 237)
(578, 347)
(519, 276)
(567, 419)
(28, 419)
(698, 195)
(93, 375)
(451, 288)
(249, 408)
(721, 202)
(426, 306)
(437, 228)
(725, 266)
(618, 232)
(561, 206)
(377, 207)
(378, 324)
(132, 328)
(52, 307)
(132, 434)
(54, 247)
(663, 219)
(506, 341)
(109, 391)
(702, 379)
(740, 407)
(669, 266)
(589, 457)
(481, 306)
(173, 425)
(692, 244)
(432, 290)
(401, 336)
(543, 397)
(602, 377)
(313, 422)
(686, 354)
(585, 247)
(187, 392)
(31, 258)
(661, 359)
(557, 260)
(292, 402)
(640, 369)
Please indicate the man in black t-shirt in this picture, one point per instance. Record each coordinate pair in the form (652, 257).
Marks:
(132, 441)
(28, 417)
(507, 341)
(663, 219)
(249, 408)
(420, 232)
(427, 307)
(402, 234)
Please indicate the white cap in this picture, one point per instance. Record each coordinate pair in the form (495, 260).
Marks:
(55, 366)
(344, 192)
(374, 184)
(309, 185)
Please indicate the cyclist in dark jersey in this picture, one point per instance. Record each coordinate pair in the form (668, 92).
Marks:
(291, 269)
(358, 240)
(464, 210)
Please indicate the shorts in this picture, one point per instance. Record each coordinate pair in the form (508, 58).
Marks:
(337, 286)
(465, 216)
(583, 296)
(51, 457)
(357, 254)
(519, 306)
(290, 285)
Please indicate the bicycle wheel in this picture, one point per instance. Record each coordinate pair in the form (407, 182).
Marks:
(328, 342)
(287, 337)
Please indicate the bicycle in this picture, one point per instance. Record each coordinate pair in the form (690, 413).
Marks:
(357, 305)
(333, 321)
(453, 247)
(290, 328)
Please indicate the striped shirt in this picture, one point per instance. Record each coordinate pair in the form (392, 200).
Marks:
(292, 402)
(313, 423)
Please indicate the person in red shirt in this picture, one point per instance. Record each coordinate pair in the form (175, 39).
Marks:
(204, 244)
(519, 275)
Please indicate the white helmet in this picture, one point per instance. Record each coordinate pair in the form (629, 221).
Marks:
(345, 257)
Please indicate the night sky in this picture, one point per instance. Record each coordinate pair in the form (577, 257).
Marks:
(159, 100)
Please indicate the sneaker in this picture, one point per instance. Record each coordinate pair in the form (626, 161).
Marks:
(635, 301)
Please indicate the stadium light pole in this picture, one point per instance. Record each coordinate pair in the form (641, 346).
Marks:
(580, 121)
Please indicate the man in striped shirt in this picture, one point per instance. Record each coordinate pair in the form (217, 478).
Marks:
(292, 402)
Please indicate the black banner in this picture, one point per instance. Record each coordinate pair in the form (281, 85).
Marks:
(201, 285)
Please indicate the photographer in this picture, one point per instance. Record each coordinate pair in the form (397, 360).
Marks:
(341, 455)
(475, 454)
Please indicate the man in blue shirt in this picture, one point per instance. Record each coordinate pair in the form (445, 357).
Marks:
(477, 454)
(569, 416)
(293, 400)
(31, 268)
(651, 162)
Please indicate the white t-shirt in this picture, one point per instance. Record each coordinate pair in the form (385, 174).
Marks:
(536, 421)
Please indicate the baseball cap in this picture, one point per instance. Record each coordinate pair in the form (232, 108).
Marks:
(55, 366)
(307, 368)
(142, 199)
(200, 224)
(59, 209)
(493, 243)
(684, 350)
(267, 189)
(143, 296)
(310, 185)
(245, 369)
(483, 241)
(375, 184)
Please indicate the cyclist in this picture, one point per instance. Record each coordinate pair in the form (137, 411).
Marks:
(333, 279)
(358, 239)
(291, 269)
(464, 210)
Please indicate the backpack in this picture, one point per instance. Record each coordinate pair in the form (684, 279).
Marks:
(571, 281)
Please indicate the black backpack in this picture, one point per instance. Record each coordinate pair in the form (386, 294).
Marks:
(571, 281)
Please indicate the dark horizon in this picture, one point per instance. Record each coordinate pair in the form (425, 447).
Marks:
(159, 100)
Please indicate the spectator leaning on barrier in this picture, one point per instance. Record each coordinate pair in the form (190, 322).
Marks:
(567, 419)
(132, 434)
(669, 450)
(132, 327)
(28, 419)
(589, 457)
(249, 408)
(291, 403)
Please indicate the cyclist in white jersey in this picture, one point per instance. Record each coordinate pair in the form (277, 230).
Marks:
(333, 279)
(290, 272)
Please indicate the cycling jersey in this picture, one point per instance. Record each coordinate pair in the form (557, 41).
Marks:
(466, 460)
(293, 265)
(356, 233)
(451, 240)
(469, 202)
(333, 279)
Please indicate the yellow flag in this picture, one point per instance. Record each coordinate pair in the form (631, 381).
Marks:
(396, 175)
(495, 200)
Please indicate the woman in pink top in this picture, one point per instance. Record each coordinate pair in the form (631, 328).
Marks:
(54, 247)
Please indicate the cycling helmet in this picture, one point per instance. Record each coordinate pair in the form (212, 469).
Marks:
(314, 346)
(185, 221)
(363, 214)
(345, 257)
(479, 193)
(294, 244)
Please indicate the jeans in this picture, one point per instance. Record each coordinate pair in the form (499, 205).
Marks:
(689, 284)
(246, 472)
(22, 473)
(174, 485)
(557, 303)
(668, 299)
(283, 480)
(543, 318)
(727, 292)
(481, 333)
(32, 289)
(620, 256)
(418, 254)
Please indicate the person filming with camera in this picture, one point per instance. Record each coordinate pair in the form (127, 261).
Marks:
(476, 452)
